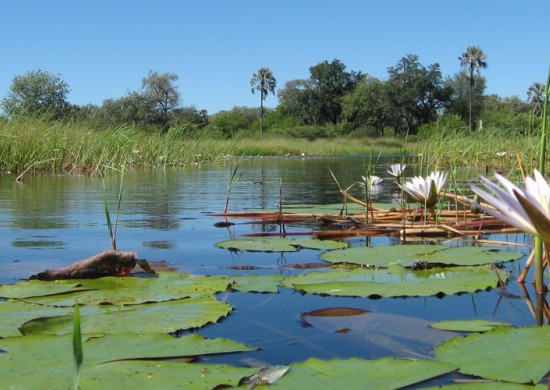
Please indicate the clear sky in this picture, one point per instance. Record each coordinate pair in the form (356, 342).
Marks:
(103, 48)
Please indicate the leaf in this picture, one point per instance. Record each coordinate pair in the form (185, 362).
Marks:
(386, 373)
(51, 359)
(408, 255)
(383, 256)
(467, 326)
(132, 290)
(164, 317)
(519, 355)
(257, 283)
(395, 281)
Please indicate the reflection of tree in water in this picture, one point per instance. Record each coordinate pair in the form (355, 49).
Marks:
(157, 209)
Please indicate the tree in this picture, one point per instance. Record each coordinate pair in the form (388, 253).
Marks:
(329, 82)
(535, 97)
(37, 93)
(462, 103)
(473, 59)
(417, 92)
(162, 95)
(367, 106)
(263, 82)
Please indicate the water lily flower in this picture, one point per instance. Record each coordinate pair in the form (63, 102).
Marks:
(501, 154)
(425, 190)
(526, 208)
(370, 182)
(396, 170)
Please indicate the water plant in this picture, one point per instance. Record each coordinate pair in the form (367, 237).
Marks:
(78, 354)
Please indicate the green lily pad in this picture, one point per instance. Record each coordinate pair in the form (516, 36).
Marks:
(383, 256)
(467, 326)
(257, 283)
(52, 364)
(264, 244)
(117, 291)
(163, 317)
(504, 354)
(163, 375)
(487, 385)
(14, 313)
(386, 373)
(410, 255)
(395, 281)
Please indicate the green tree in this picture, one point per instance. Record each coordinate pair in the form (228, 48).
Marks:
(473, 59)
(328, 83)
(161, 95)
(367, 106)
(37, 93)
(264, 83)
(462, 103)
(418, 93)
(535, 97)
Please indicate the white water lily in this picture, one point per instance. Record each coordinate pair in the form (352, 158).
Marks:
(425, 190)
(526, 208)
(370, 182)
(396, 170)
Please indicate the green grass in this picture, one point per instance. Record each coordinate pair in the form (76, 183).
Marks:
(34, 145)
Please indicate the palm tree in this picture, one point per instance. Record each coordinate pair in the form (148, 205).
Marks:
(473, 59)
(535, 96)
(264, 82)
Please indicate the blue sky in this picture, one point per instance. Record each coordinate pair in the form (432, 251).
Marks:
(103, 48)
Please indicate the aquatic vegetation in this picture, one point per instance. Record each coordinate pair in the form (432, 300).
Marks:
(425, 190)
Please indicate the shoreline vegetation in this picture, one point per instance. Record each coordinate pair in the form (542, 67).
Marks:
(40, 146)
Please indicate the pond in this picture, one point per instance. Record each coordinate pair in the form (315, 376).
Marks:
(49, 221)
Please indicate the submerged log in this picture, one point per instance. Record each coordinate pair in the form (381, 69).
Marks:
(108, 263)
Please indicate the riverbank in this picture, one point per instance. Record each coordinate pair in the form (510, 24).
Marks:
(34, 145)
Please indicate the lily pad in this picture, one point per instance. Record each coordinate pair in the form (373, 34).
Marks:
(257, 283)
(383, 256)
(467, 326)
(395, 281)
(410, 255)
(52, 364)
(163, 317)
(264, 244)
(386, 373)
(503, 354)
(117, 291)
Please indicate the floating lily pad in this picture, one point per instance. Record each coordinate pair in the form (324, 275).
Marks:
(163, 317)
(13, 314)
(485, 384)
(257, 283)
(395, 335)
(409, 255)
(263, 244)
(504, 354)
(467, 326)
(117, 291)
(383, 256)
(386, 373)
(163, 375)
(52, 364)
(395, 281)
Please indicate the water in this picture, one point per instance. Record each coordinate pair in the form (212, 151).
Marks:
(49, 221)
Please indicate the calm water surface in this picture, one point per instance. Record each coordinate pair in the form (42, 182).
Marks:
(50, 221)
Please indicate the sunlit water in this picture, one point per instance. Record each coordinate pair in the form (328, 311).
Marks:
(49, 221)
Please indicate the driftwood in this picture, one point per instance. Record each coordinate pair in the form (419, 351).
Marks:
(108, 263)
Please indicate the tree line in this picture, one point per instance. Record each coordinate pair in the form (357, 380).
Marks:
(412, 99)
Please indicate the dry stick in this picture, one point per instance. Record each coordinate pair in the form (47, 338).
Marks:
(523, 275)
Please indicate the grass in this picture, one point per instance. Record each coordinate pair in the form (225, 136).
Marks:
(34, 145)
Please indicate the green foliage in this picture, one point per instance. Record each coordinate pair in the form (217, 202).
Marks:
(416, 92)
(447, 126)
(227, 124)
(37, 94)
(368, 106)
